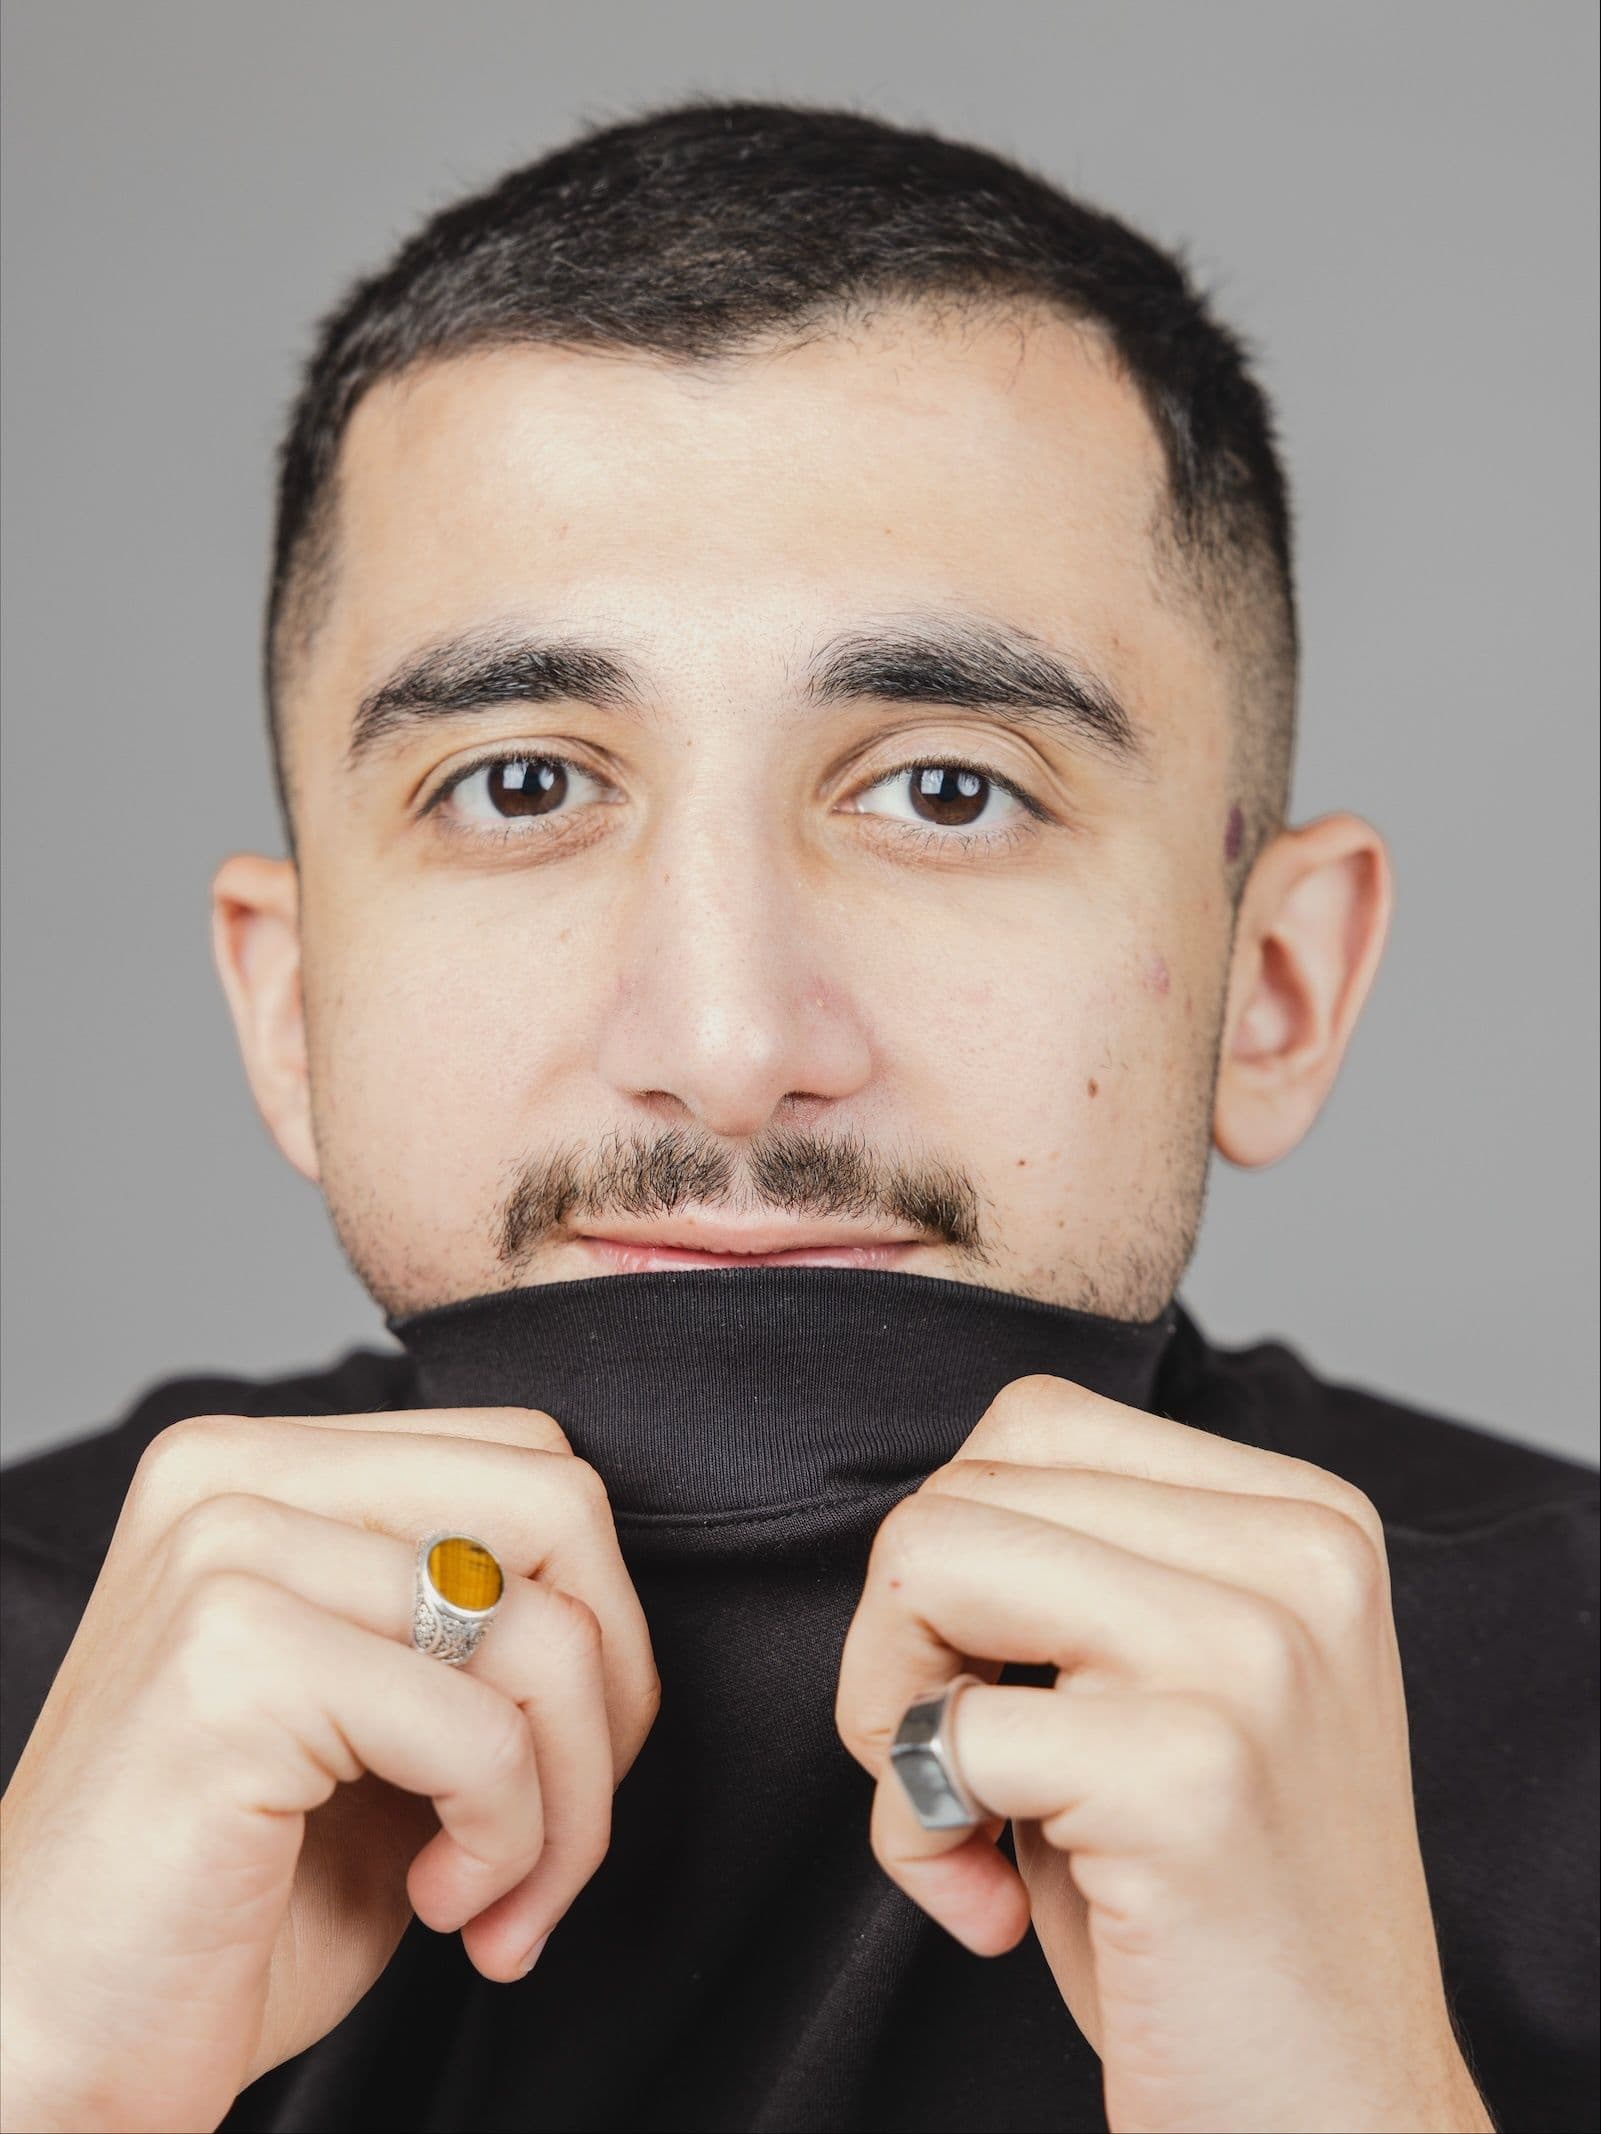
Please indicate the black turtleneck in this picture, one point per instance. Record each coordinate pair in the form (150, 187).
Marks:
(740, 1961)
(760, 1389)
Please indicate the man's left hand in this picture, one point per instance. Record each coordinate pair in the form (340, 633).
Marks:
(1212, 1806)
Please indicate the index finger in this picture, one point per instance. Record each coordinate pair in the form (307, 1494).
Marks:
(958, 1877)
(1054, 1421)
(496, 1426)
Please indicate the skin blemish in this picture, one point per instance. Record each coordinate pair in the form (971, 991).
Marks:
(1156, 974)
(1095, 1087)
(1234, 833)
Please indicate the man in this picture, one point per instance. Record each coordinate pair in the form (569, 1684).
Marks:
(781, 658)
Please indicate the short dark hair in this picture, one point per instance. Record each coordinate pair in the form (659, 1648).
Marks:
(709, 228)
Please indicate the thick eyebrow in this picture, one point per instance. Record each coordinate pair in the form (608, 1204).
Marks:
(938, 658)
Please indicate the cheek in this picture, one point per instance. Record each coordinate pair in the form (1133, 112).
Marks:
(1028, 1070)
(430, 1055)
(1082, 1085)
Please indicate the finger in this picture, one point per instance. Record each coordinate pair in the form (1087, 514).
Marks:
(958, 1877)
(531, 1428)
(1055, 1422)
(541, 1651)
(544, 1513)
(951, 1580)
(565, 1705)
(573, 1753)
(1166, 1776)
(279, 1701)
(1153, 1785)
(1301, 1552)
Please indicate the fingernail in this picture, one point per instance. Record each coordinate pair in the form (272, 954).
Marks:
(532, 1957)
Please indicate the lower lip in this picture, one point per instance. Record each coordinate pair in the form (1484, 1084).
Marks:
(648, 1259)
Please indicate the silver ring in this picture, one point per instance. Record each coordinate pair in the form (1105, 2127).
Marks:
(922, 1758)
(459, 1585)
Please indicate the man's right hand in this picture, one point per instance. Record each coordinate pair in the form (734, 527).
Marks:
(220, 1826)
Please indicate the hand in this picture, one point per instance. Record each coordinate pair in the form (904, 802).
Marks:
(1212, 1805)
(245, 1780)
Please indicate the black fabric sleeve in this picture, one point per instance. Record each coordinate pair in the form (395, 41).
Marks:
(42, 1600)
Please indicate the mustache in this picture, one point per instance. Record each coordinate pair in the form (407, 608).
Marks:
(795, 1172)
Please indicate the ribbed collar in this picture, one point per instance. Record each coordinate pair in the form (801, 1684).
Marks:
(752, 1388)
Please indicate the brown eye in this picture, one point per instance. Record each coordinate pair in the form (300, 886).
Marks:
(958, 804)
(516, 797)
(947, 794)
(526, 785)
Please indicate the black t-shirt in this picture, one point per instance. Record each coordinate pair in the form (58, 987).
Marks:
(740, 1961)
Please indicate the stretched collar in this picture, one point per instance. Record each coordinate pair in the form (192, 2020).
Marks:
(745, 1388)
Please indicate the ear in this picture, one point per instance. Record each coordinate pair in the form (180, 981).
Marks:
(255, 939)
(1311, 929)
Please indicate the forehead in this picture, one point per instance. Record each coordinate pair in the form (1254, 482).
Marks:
(723, 511)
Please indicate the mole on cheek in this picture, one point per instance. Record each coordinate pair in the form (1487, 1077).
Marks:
(1234, 833)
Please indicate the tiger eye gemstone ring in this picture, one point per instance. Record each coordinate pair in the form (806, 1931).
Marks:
(458, 1588)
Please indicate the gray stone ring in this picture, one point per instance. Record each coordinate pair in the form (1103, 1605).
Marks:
(922, 1758)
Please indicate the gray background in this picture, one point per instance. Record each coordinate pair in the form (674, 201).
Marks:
(1396, 202)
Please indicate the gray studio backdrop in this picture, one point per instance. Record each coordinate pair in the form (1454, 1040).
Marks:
(1396, 202)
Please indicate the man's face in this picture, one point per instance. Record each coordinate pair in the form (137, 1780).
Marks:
(739, 958)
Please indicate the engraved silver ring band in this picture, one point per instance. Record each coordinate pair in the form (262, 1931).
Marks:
(459, 1585)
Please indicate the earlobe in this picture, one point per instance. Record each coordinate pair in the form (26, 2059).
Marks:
(255, 939)
(1312, 926)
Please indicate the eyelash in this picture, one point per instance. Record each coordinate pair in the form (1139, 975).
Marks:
(921, 838)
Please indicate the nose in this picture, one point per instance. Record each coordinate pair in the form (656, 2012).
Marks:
(729, 998)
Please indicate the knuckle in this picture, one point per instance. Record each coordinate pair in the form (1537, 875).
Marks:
(1213, 1770)
(1268, 1656)
(1365, 1516)
(1010, 1425)
(1356, 1504)
(504, 1750)
(219, 1649)
(572, 1621)
(175, 1452)
(895, 1542)
(585, 1482)
(856, 1707)
(1339, 1495)
(213, 1532)
(1342, 1569)
(1027, 1392)
(547, 1433)
(851, 1734)
(963, 1477)
(908, 1528)
(1131, 1894)
(866, 1746)
(229, 1603)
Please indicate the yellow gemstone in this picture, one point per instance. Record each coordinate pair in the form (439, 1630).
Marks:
(463, 1573)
